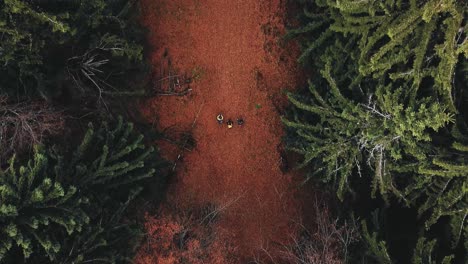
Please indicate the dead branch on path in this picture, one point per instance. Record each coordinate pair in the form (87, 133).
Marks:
(172, 85)
(213, 214)
(169, 81)
(179, 156)
(182, 139)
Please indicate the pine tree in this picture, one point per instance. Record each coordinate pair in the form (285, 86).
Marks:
(62, 208)
(110, 166)
(109, 238)
(35, 208)
(21, 47)
(441, 190)
(51, 48)
(425, 253)
(376, 248)
(111, 158)
(401, 41)
(340, 135)
(391, 84)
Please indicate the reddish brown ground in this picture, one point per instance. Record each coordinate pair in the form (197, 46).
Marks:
(234, 49)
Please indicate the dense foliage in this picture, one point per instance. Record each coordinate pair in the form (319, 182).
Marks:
(72, 49)
(69, 208)
(386, 105)
(63, 201)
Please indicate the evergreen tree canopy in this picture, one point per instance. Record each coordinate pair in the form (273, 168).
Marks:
(68, 208)
(344, 134)
(418, 43)
(35, 208)
(441, 188)
(79, 48)
(110, 157)
(388, 103)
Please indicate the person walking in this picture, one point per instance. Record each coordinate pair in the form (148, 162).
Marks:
(220, 118)
(230, 123)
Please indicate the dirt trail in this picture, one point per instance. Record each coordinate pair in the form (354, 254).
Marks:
(240, 68)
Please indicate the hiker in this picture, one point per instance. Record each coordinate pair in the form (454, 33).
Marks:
(240, 121)
(220, 119)
(229, 123)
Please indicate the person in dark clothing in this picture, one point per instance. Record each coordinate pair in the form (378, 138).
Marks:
(240, 121)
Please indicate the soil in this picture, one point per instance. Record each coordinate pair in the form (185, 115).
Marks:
(231, 55)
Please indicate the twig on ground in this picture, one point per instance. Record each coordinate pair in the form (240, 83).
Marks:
(218, 209)
(179, 156)
(184, 92)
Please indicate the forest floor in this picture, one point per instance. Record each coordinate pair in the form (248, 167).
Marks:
(230, 54)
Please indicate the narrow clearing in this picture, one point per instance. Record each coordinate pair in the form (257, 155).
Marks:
(231, 53)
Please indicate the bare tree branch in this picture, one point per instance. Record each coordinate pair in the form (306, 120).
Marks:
(25, 124)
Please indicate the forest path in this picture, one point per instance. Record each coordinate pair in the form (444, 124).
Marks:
(240, 68)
